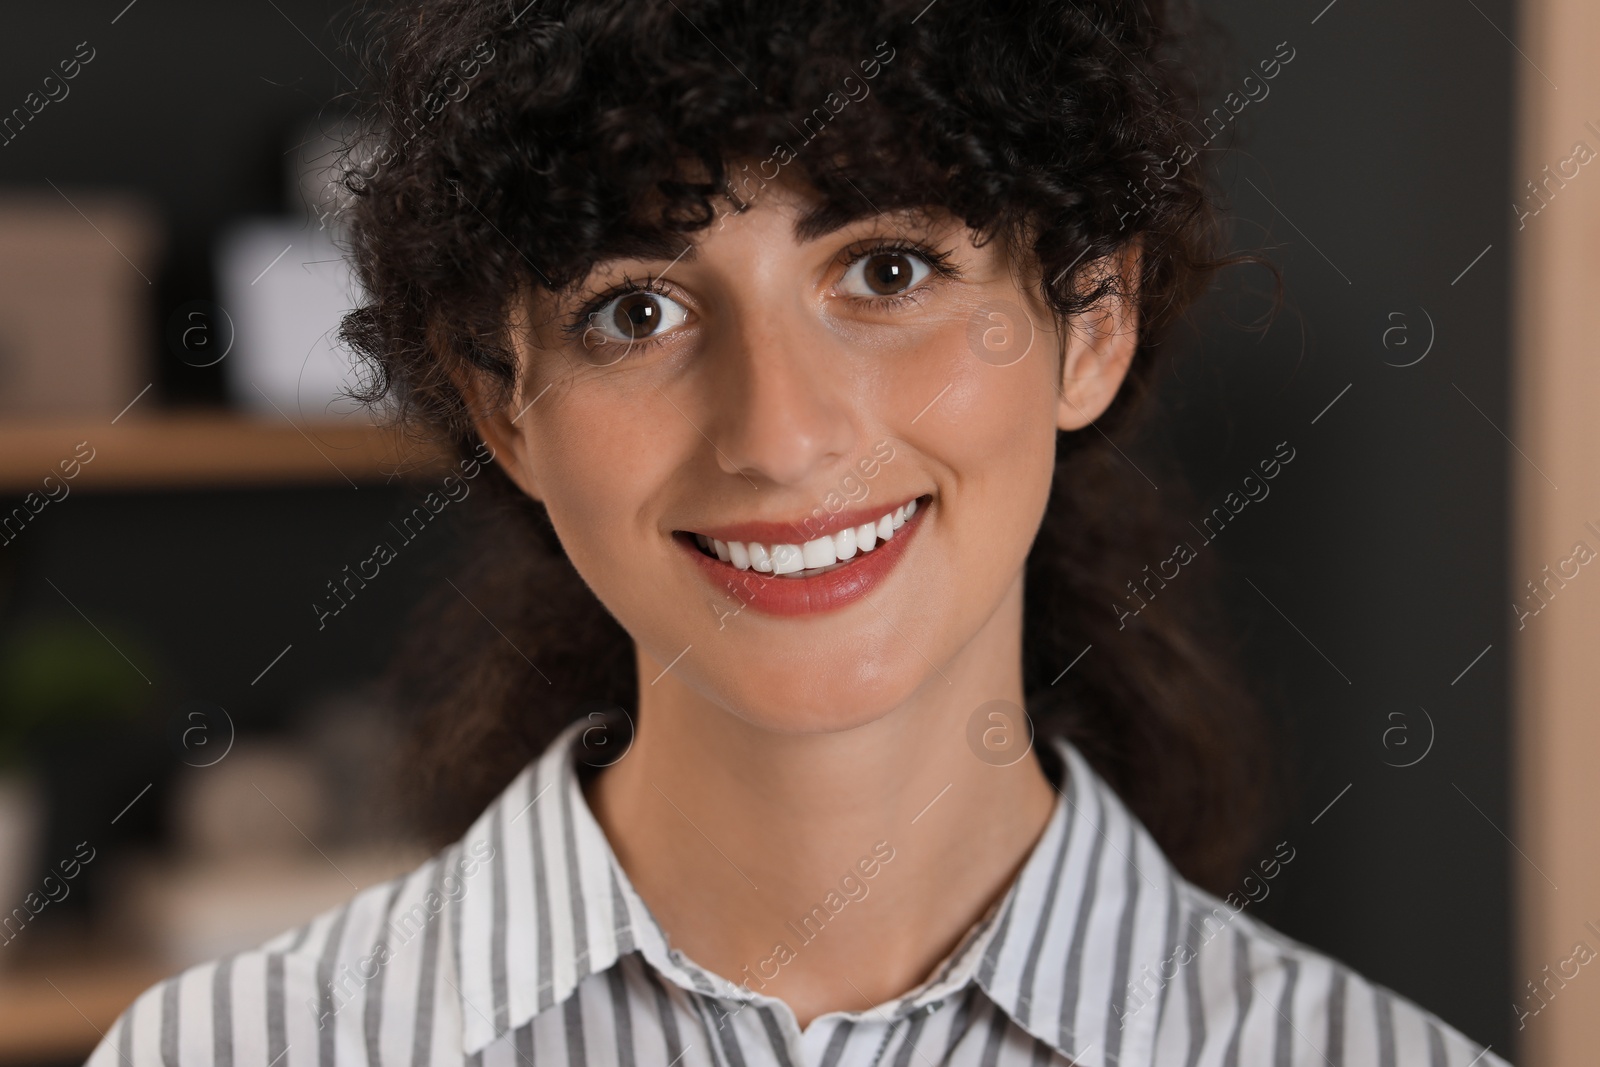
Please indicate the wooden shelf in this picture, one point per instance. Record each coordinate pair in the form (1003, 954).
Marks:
(59, 1013)
(190, 450)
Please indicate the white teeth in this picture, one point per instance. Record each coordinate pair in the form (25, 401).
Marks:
(786, 559)
(844, 543)
(821, 552)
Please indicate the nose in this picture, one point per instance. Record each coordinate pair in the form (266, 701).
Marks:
(784, 398)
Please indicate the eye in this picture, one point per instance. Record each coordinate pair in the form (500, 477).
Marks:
(885, 272)
(636, 316)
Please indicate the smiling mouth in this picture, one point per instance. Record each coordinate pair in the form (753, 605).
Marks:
(807, 559)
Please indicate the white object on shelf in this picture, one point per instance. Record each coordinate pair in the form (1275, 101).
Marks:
(264, 798)
(285, 286)
(194, 910)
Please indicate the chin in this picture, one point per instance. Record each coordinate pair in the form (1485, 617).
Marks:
(802, 699)
(778, 678)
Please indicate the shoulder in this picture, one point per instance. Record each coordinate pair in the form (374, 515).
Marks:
(1233, 982)
(362, 978)
(1196, 978)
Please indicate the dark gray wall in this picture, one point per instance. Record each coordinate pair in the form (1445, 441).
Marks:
(1375, 172)
(1374, 573)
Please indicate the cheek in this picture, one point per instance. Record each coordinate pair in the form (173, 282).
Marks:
(1001, 450)
(989, 441)
(994, 429)
(597, 474)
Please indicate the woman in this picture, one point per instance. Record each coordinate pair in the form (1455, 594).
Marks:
(796, 333)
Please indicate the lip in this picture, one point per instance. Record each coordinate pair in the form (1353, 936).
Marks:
(801, 530)
(784, 596)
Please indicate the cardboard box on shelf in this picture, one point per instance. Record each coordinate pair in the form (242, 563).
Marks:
(75, 301)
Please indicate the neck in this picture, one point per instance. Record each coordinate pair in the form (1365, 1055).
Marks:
(833, 871)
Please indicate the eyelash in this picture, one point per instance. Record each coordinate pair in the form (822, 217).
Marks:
(940, 262)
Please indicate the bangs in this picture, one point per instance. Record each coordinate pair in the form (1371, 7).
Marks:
(597, 129)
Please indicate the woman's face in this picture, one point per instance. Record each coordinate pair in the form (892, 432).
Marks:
(785, 399)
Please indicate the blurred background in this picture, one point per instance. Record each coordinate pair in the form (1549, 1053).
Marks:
(181, 485)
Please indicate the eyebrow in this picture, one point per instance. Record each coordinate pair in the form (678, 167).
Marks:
(830, 218)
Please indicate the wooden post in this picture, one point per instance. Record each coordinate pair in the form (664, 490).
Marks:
(1556, 423)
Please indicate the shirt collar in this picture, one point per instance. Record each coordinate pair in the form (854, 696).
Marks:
(1074, 956)
(547, 904)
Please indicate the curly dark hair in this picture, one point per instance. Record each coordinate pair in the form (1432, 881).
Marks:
(515, 150)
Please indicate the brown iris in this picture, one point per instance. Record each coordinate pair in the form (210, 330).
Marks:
(636, 315)
(887, 272)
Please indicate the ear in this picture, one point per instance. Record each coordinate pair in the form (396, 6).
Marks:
(1100, 345)
(499, 429)
(502, 427)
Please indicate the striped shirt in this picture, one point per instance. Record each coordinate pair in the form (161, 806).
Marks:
(523, 944)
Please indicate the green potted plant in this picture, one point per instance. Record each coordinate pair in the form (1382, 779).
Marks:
(57, 676)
